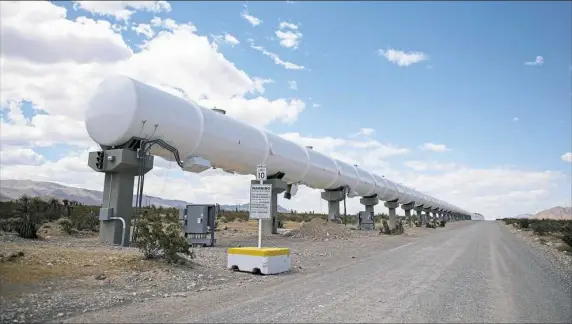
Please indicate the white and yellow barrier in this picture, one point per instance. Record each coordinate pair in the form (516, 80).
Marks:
(263, 260)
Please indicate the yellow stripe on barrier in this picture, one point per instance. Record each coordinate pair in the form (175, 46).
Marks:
(254, 251)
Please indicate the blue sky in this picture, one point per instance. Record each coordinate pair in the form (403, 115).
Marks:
(469, 89)
(465, 95)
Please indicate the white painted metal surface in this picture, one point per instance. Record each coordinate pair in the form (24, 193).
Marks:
(122, 108)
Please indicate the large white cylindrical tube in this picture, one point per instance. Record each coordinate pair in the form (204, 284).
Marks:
(122, 108)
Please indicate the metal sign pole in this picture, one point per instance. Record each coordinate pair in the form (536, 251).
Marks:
(260, 175)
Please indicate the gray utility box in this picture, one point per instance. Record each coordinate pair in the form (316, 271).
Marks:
(198, 224)
(366, 220)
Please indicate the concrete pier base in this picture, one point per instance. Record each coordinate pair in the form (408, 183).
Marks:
(369, 203)
(333, 197)
(391, 206)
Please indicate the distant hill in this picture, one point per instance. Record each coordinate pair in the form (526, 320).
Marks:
(555, 213)
(525, 216)
(12, 189)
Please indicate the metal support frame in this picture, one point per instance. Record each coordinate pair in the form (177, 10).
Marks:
(120, 167)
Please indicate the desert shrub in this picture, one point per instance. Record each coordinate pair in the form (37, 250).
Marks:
(442, 223)
(8, 224)
(153, 238)
(523, 223)
(66, 225)
(27, 227)
(172, 243)
(82, 220)
(567, 238)
(172, 218)
(148, 237)
(510, 221)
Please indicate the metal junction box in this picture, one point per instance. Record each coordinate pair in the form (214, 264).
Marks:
(198, 224)
(366, 220)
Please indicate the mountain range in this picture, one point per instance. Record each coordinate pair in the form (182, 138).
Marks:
(13, 189)
(557, 212)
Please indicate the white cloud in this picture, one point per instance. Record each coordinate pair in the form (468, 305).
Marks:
(121, 9)
(231, 39)
(515, 119)
(254, 21)
(195, 70)
(434, 147)
(14, 155)
(39, 32)
(226, 39)
(144, 29)
(429, 166)
(285, 24)
(288, 35)
(293, 85)
(538, 61)
(402, 58)
(567, 157)
(364, 132)
(167, 23)
(316, 105)
(277, 60)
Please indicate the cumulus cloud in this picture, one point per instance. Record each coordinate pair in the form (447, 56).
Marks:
(567, 157)
(144, 29)
(39, 32)
(289, 35)
(434, 147)
(429, 166)
(515, 119)
(196, 70)
(14, 155)
(402, 58)
(121, 9)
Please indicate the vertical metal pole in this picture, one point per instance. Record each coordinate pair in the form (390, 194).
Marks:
(260, 228)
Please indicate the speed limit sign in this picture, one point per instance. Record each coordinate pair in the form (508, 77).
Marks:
(261, 172)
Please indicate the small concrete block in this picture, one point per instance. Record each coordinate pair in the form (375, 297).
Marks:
(265, 260)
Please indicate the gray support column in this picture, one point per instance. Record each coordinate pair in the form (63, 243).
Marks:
(118, 196)
(435, 216)
(407, 208)
(427, 211)
(270, 226)
(392, 205)
(419, 210)
(120, 167)
(369, 203)
(333, 197)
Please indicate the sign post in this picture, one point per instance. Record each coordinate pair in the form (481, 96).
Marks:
(260, 200)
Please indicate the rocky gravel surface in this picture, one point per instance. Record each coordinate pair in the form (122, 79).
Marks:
(471, 272)
(58, 299)
(553, 249)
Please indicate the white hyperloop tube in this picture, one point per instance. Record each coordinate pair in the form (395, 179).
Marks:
(122, 108)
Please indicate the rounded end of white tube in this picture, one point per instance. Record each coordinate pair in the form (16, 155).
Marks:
(110, 111)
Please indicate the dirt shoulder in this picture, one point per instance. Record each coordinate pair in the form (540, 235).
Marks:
(551, 246)
(60, 277)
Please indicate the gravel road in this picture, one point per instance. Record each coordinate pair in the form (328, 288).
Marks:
(473, 274)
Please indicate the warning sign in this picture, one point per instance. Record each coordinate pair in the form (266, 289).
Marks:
(260, 201)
